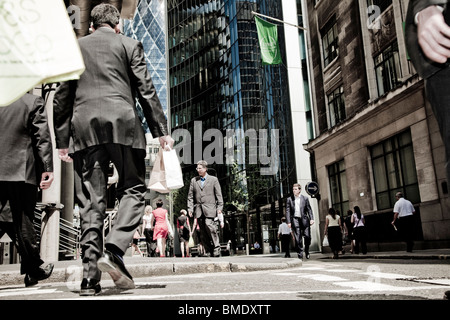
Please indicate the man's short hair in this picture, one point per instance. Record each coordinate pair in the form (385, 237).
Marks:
(203, 163)
(297, 185)
(105, 14)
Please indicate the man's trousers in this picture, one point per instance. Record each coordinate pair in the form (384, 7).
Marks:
(91, 167)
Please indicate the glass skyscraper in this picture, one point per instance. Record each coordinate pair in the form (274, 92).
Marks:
(148, 26)
(217, 82)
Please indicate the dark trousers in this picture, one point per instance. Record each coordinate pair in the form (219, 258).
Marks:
(91, 167)
(151, 244)
(208, 234)
(406, 229)
(360, 236)
(302, 230)
(438, 94)
(285, 244)
(22, 199)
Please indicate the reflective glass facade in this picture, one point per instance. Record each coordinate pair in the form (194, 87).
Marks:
(217, 81)
(148, 26)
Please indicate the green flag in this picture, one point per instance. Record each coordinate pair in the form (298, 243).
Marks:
(268, 41)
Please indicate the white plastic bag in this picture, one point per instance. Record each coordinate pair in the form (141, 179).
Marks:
(158, 176)
(174, 175)
(37, 45)
(325, 242)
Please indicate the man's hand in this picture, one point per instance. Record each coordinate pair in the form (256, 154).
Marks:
(166, 142)
(46, 180)
(433, 34)
(63, 154)
(311, 222)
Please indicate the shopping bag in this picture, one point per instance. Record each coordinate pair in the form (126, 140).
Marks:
(37, 45)
(157, 180)
(191, 242)
(174, 175)
(325, 242)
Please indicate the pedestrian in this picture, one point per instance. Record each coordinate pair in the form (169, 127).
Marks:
(26, 164)
(359, 230)
(147, 231)
(96, 121)
(349, 230)
(135, 244)
(333, 229)
(206, 203)
(403, 212)
(427, 41)
(162, 227)
(285, 234)
(184, 232)
(299, 217)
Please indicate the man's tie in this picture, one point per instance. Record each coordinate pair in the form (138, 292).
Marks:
(202, 181)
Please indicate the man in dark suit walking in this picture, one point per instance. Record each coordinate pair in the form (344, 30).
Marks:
(206, 202)
(428, 44)
(26, 162)
(300, 218)
(96, 122)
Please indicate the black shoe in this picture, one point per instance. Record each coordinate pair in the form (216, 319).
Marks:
(32, 278)
(90, 287)
(307, 256)
(114, 266)
(300, 256)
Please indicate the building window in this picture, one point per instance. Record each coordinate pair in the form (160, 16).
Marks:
(381, 4)
(394, 170)
(338, 186)
(387, 69)
(330, 42)
(336, 106)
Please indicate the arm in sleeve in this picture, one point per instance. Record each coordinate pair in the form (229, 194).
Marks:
(218, 193)
(38, 126)
(62, 113)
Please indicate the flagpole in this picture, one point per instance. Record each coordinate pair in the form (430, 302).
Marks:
(294, 25)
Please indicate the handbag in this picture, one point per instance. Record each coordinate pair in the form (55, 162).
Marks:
(174, 175)
(157, 180)
(325, 242)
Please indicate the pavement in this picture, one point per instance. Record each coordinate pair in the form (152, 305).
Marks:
(140, 267)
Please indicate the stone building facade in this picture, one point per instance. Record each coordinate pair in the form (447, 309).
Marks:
(375, 133)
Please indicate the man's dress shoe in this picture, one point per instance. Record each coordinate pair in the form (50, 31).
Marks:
(39, 274)
(113, 264)
(90, 287)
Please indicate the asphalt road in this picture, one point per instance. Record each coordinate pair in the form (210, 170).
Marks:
(316, 279)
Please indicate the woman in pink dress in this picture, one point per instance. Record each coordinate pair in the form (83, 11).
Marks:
(161, 227)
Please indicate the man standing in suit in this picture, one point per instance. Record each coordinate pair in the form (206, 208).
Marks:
(26, 162)
(428, 44)
(300, 218)
(96, 122)
(205, 201)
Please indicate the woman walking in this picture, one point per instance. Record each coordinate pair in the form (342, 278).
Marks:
(359, 230)
(333, 229)
(162, 227)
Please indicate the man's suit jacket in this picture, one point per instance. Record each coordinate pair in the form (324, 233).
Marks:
(100, 107)
(424, 67)
(207, 200)
(305, 210)
(26, 145)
